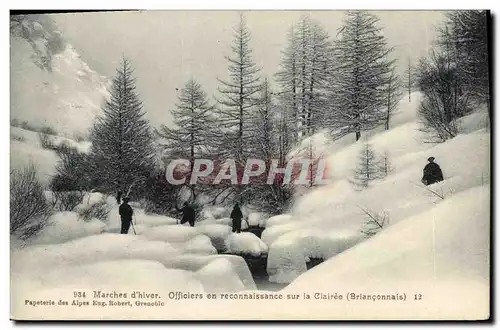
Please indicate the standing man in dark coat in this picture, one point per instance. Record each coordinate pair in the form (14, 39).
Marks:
(432, 173)
(126, 213)
(236, 215)
(188, 214)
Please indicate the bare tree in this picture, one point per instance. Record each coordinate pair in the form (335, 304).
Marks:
(443, 102)
(375, 222)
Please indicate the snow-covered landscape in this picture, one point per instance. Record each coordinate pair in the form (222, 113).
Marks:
(429, 240)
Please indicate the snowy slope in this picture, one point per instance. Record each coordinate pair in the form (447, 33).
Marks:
(50, 84)
(438, 258)
(25, 147)
(329, 219)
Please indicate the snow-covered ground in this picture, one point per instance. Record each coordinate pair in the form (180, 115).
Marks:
(72, 252)
(329, 219)
(437, 247)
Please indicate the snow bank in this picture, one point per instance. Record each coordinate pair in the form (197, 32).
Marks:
(65, 226)
(194, 263)
(277, 219)
(219, 276)
(217, 233)
(289, 254)
(448, 243)
(120, 276)
(200, 244)
(245, 243)
(171, 233)
(103, 247)
(271, 233)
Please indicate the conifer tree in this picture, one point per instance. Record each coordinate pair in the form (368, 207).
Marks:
(361, 74)
(194, 121)
(303, 74)
(238, 101)
(368, 168)
(409, 83)
(239, 96)
(385, 166)
(393, 96)
(123, 151)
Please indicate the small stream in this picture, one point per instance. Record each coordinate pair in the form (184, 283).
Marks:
(258, 266)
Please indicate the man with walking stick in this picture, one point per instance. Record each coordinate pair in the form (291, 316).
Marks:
(126, 213)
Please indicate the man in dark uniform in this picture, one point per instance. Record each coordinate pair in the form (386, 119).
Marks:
(236, 216)
(188, 214)
(126, 213)
(432, 173)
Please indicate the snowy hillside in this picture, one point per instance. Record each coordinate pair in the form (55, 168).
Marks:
(50, 84)
(435, 243)
(330, 219)
(25, 147)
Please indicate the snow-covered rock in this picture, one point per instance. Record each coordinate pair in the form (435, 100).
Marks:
(245, 244)
(217, 233)
(289, 254)
(219, 276)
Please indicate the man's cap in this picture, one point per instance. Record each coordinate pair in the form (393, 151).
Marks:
(126, 198)
(431, 159)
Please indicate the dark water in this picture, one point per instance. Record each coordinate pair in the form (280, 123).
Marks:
(258, 266)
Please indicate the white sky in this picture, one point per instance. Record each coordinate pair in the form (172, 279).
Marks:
(168, 47)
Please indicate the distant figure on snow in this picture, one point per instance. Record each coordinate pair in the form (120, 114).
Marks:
(432, 173)
(188, 214)
(126, 213)
(236, 215)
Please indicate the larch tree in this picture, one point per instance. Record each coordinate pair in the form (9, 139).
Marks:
(303, 74)
(393, 96)
(238, 100)
(409, 79)
(368, 168)
(192, 135)
(385, 165)
(362, 70)
(123, 151)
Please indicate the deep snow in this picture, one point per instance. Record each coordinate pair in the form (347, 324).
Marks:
(329, 219)
(436, 246)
